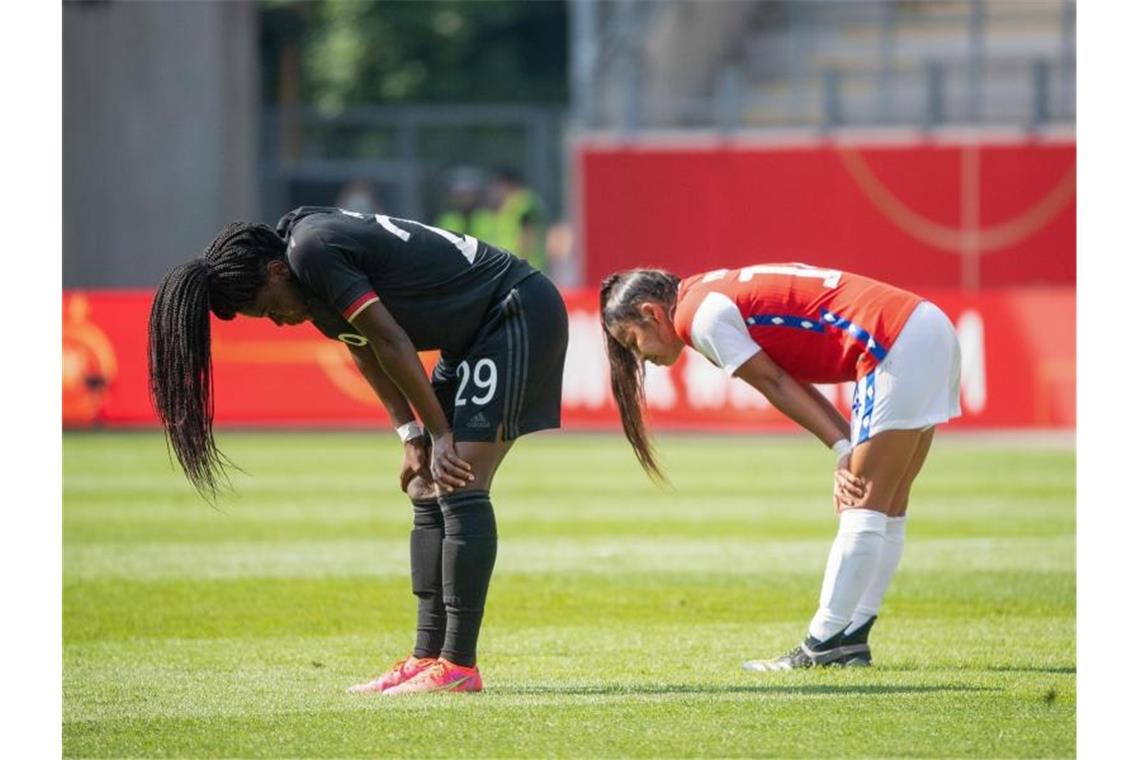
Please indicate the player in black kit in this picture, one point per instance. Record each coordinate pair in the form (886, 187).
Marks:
(387, 288)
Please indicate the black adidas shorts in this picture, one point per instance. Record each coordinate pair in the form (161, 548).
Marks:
(509, 382)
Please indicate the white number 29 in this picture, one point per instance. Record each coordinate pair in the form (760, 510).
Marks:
(485, 377)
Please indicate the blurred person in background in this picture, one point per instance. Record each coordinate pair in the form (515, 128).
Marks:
(466, 212)
(564, 265)
(520, 218)
(359, 196)
(782, 328)
(386, 288)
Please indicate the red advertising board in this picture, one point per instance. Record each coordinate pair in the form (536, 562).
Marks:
(1018, 369)
(918, 214)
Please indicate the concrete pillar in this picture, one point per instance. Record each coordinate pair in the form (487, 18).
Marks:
(160, 109)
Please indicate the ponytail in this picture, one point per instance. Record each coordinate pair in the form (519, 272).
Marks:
(181, 378)
(620, 295)
(181, 382)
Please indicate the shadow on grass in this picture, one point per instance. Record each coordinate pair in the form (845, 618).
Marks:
(805, 689)
(1057, 669)
(1069, 669)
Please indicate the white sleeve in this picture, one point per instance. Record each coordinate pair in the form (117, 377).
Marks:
(720, 334)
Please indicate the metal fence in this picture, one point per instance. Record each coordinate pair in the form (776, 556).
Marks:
(405, 152)
(825, 65)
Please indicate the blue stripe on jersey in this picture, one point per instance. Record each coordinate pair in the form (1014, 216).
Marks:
(863, 411)
(828, 318)
(856, 332)
(784, 320)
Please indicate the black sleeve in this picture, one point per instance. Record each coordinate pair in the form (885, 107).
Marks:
(326, 269)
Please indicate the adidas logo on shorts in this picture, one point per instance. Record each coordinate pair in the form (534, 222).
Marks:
(478, 421)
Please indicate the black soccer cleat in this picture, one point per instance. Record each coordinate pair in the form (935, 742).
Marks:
(856, 650)
(810, 654)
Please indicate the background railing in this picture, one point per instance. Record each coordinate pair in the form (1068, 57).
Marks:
(404, 152)
(778, 63)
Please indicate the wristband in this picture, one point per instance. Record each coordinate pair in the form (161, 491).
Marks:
(409, 431)
(842, 447)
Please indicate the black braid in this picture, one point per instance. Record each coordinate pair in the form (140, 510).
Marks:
(224, 280)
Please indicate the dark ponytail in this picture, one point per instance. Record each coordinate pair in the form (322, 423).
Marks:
(223, 281)
(620, 296)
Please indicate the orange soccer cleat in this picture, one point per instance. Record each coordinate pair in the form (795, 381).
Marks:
(401, 671)
(441, 676)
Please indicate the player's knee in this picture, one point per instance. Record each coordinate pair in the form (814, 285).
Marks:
(426, 513)
(419, 489)
(478, 485)
(865, 503)
(468, 513)
(900, 501)
(878, 495)
(481, 483)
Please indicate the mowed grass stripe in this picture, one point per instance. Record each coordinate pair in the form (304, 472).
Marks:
(710, 723)
(789, 521)
(666, 514)
(120, 609)
(699, 465)
(354, 557)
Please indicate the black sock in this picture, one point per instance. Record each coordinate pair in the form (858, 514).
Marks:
(469, 547)
(814, 644)
(860, 634)
(427, 576)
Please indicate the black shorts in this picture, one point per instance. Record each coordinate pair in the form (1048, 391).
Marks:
(509, 382)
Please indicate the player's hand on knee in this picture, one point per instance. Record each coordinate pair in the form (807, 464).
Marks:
(849, 489)
(447, 469)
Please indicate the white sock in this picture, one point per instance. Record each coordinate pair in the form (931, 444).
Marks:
(850, 567)
(872, 598)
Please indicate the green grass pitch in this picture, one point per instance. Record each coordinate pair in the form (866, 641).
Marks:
(618, 617)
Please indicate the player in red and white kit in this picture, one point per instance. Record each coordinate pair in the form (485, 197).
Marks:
(781, 328)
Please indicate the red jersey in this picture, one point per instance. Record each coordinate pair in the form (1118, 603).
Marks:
(818, 325)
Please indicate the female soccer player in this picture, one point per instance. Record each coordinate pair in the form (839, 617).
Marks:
(387, 288)
(781, 328)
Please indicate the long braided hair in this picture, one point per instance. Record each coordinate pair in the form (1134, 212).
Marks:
(223, 280)
(621, 295)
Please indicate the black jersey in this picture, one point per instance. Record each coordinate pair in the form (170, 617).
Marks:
(438, 285)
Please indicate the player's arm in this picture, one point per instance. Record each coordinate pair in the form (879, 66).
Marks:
(417, 456)
(324, 261)
(719, 332)
(399, 410)
(807, 406)
(812, 411)
(400, 362)
(828, 407)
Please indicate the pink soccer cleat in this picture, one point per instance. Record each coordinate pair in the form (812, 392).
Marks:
(441, 676)
(401, 671)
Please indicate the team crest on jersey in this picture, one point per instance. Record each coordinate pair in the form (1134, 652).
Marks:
(353, 339)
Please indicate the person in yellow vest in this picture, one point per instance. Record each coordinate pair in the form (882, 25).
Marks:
(520, 219)
(466, 214)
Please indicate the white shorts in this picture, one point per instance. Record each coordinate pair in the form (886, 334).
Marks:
(917, 384)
